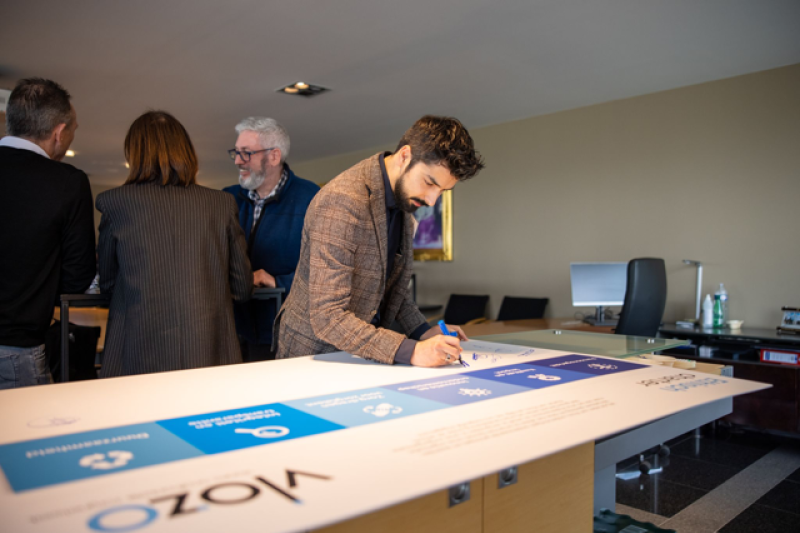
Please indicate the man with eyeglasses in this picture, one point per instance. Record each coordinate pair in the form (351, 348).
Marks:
(272, 206)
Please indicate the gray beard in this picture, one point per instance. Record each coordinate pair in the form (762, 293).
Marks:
(254, 181)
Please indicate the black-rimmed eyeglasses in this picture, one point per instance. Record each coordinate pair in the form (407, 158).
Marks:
(245, 155)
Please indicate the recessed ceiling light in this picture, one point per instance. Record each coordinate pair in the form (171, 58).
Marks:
(302, 88)
(70, 153)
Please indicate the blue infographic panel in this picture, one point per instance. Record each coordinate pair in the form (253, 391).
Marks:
(236, 429)
(38, 463)
(456, 389)
(367, 406)
(529, 376)
(587, 364)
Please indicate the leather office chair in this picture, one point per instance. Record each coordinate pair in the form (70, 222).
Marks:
(514, 308)
(645, 298)
(463, 308)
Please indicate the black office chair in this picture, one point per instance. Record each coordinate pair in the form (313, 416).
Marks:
(82, 351)
(645, 298)
(463, 308)
(514, 308)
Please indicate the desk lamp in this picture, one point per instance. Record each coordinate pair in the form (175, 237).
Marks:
(699, 266)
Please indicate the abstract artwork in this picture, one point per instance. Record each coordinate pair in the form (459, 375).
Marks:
(434, 238)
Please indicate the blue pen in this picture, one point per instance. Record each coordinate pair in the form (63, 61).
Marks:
(445, 331)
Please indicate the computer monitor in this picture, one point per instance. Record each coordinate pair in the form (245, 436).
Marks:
(599, 285)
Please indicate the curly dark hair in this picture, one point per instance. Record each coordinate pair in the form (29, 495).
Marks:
(443, 141)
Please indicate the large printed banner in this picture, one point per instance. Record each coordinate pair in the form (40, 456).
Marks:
(297, 444)
(39, 463)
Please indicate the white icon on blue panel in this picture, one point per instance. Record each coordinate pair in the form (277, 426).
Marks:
(383, 409)
(474, 392)
(266, 432)
(598, 366)
(544, 377)
(100, 461)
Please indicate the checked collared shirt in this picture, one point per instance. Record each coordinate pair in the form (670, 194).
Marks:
(258, 203)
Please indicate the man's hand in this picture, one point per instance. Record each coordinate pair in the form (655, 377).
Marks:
(436, 330)
(438, 350)
(262, 279)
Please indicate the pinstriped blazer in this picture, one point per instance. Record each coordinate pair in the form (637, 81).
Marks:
(173, 259)
(341, 277)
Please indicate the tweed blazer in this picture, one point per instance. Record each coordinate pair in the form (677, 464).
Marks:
(341, 277)
(174, 259)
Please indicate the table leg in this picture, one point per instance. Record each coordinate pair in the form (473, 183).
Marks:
(64, 342)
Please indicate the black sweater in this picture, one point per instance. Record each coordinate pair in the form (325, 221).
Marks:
(47, 245)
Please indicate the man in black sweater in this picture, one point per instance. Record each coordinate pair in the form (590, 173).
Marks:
(46, 226)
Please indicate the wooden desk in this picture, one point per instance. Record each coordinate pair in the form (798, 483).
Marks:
(97, 316)
(494, 327)
(777, 408)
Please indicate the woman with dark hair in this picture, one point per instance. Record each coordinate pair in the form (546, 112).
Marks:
(173, 257)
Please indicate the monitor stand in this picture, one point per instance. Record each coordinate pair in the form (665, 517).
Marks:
(599, 318)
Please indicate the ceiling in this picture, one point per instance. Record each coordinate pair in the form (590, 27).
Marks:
(211, 63)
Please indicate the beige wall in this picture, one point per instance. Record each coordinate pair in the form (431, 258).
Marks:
(709, 172)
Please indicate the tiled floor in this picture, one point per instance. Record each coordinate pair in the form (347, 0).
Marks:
(720, 459)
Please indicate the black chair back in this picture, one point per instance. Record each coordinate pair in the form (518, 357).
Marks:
(82, 351)
(461, 308)
(645, 298)
(514, 308)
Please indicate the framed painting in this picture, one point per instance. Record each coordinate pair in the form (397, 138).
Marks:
(434, 238)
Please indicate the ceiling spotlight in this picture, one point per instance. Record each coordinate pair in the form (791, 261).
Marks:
(70, 153)
(302, 88)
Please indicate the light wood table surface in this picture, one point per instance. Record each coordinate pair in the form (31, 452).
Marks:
(97, 316)
(494, 327)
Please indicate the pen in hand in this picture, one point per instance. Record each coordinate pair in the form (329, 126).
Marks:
(445, 331)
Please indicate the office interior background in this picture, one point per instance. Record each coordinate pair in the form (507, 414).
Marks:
(611, 129)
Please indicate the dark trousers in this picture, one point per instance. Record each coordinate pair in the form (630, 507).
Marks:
(255, 352)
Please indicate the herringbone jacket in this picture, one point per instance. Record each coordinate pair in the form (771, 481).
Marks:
(341, 277)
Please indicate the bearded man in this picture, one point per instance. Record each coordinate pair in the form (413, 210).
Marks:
(272, 206)
(356, 260)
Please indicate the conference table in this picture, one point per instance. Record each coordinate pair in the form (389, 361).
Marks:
(523, 439)
(91, 310)
(494, 327)
(98, 316)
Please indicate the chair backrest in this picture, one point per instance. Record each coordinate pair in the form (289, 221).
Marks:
(461, 308)
(514, 308)
(645, 298)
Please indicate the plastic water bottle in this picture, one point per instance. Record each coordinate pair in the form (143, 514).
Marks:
(723, 296)
(708, 312)
(719, 318)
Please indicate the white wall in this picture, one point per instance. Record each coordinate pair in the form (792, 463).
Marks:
(708, 172)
